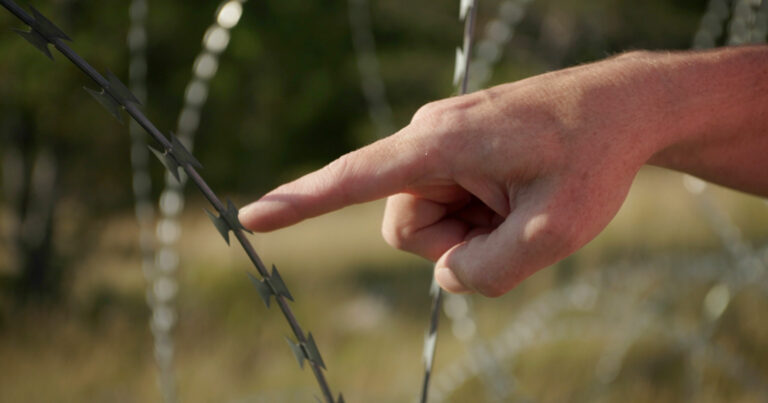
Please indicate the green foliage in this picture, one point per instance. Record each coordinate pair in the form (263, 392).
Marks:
(287, 95)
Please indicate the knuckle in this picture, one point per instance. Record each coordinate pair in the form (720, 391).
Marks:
(632, 55)
(426, 112)
(442, 115)
(340, 167)
(336, 173)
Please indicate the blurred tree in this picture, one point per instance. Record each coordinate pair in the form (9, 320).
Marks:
(287, 94)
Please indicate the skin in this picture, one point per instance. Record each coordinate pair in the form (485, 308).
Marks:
(500, 183)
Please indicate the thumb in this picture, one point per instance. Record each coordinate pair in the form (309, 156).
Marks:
(378, 170)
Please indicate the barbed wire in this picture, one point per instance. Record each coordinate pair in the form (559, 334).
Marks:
(161, 313)
(497, 33)
(615, 289)
(467, 13)
(499, 385)
(748, 25)
(171, 204)
(114, 96)
(711, 24)
(371, 82)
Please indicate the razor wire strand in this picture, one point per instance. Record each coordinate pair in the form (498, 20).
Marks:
(748, 24)
(380, 112)
(171, 204)
(161, 312)
(114, 96)
(535, 322)
(467, 13)
(498, 32)
(371, 82)
(751, 266)
(458, 308)
(711, 24)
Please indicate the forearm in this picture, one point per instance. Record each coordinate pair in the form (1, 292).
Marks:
(713, 115)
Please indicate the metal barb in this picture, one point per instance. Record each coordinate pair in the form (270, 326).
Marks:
(230, 214)
(298, 351)
(221, 225)
(464, 7)
(277, 283)
(226, 221)
(182, 155)
(313, 353)
(175, 152)
(45, 27)
(458, 69)
(175, 157)
(263, 289)
(169, 162)
(119, 90)
(36, 40)
(109, 103)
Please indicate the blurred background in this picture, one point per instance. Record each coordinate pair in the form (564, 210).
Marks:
(114, 285)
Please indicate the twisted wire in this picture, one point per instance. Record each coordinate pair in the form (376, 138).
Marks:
(114, 96)
(171, 204)
(498, 32)
(161, 312)
(467, 12)
(368, 66)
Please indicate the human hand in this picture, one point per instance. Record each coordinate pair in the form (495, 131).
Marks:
(498, 184)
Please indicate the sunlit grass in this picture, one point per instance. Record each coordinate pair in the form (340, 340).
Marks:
(367, 306)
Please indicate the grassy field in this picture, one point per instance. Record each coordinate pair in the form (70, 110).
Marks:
(367, 306)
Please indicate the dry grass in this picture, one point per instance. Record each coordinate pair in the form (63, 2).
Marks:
(366, 305)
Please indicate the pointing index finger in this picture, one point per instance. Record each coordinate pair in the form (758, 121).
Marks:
(378, 170)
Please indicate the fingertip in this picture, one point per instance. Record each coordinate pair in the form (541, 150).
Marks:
(249, 217)
(264, 215)
(244, 215)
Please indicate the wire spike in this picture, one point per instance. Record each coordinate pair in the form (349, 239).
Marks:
(313, 352)
(220, 224)
(168, 162)
(119, 90)
(46, 27)
(279, 285)
(458, 70)
(107, 102)
(182, 155)
(465, 6)
(261, 288)
(36, 40)
(298, 352)
(434, 288)
(429, 349)
(231, 214)
(340, 399)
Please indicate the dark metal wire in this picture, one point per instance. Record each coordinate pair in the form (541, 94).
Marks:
(430, 342)
(177, 154)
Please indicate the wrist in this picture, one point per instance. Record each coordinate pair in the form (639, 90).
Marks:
(702, 100)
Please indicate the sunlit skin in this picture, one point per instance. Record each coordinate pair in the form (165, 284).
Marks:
(500, 183)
